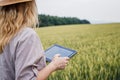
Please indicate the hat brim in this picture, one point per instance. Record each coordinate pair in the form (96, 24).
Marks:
(5, 3)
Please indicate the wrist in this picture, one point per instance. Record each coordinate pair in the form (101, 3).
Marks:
(52, 66)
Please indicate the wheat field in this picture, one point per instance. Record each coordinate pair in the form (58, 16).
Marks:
(97, 46)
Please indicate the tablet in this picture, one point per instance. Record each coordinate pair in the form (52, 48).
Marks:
(57, 49)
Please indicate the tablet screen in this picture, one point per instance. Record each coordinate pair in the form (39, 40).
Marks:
(57, 49)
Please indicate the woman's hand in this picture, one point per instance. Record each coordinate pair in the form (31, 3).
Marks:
(58, 62)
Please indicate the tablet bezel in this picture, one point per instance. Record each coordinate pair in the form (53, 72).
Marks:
(56, 45)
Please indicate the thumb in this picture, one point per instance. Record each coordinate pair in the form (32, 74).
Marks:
(57, 55)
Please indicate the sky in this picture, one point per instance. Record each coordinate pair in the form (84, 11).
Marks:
(92, 10)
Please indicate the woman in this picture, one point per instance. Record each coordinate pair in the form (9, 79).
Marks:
(21, 52)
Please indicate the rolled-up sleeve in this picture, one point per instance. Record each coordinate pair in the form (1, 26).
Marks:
(29, 58)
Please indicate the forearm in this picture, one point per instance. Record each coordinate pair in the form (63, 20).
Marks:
(45, 72)
(58, 63)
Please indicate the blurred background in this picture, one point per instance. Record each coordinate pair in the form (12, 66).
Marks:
(95, 11)
(92, 28)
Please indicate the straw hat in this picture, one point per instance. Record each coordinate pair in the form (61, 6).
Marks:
(9, 2)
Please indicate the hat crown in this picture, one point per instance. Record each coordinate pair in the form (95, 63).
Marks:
(9, 2)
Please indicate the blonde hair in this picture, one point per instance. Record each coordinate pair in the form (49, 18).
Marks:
(15, 17)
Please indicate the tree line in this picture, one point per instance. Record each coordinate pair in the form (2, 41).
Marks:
(47, 20)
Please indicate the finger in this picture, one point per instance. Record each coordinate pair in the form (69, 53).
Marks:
(63, 67)
(66, 58)
(57, 55)
(66, 62)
